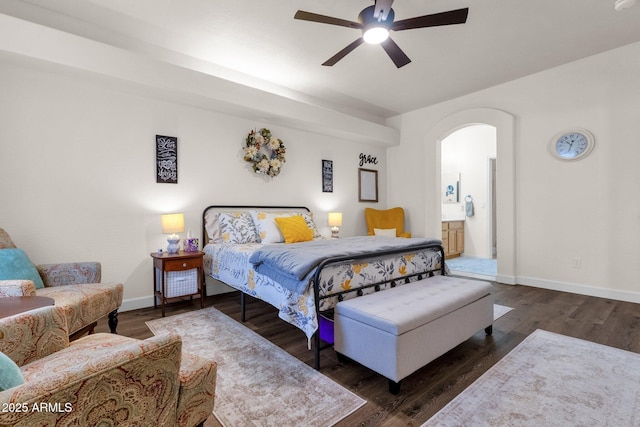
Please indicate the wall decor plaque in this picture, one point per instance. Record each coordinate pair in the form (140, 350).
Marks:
(166, 159)
(327, 176)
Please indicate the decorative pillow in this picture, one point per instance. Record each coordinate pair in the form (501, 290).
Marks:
(237, 227)
(11, 374)
(212, 226)
(266, 226)
(294, 229)
(16, 265)
(388, 232)
(308, 218)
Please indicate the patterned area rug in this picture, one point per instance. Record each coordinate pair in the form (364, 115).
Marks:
(258, 383)
(551, 380)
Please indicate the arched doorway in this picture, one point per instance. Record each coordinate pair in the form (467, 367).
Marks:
(505, 177)
(468, 156)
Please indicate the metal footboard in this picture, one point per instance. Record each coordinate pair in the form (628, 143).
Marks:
(318, 346)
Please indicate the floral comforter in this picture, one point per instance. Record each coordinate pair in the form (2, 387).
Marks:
(229, 263)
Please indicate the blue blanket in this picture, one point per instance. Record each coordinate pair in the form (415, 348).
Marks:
(293, 265)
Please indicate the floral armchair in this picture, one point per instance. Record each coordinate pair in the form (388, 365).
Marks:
(100, 379)
(75, 287)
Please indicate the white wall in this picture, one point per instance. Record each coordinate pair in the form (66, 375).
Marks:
(78, 171)
(587, 210)
(467, 152)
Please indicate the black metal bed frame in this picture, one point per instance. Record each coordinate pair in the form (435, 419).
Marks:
(333, 261)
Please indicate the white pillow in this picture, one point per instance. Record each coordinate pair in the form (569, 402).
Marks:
(387, 232)
(266, 226)
(212, 226)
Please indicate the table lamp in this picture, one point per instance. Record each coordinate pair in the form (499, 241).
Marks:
(172, 224)
(335, 222)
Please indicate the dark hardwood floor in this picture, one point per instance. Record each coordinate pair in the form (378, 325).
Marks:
(604, 321)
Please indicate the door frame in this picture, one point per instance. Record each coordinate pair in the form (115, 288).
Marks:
(505, 178)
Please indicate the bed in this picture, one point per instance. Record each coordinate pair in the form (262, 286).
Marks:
(234, 237)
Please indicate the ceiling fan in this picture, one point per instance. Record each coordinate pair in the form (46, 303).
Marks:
(376, 21)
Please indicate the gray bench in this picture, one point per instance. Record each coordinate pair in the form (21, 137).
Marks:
(397, 331)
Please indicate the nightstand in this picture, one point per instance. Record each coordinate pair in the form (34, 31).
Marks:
(177, 275)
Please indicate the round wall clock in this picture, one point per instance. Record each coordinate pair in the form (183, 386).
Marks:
(572, 144)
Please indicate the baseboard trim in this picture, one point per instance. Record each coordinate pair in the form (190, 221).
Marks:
(634, 297)
(473, 275)
(507, 280)
(144, 302)
(136, 303)
(574, 288)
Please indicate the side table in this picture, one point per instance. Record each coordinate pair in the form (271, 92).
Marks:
(177, 275)
(16, 305)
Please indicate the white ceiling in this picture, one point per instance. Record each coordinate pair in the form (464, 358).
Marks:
(258, 43)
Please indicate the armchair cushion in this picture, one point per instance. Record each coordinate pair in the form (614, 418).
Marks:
(16, 265)
(34, 334)
(385, 219)
(86, 303)
(75, 273)
(17, 288)
(197, 389)
(10, 375)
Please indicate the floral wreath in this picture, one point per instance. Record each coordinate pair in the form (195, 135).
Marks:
(270, 164)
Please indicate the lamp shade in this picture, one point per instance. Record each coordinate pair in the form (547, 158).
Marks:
(172, 223)
(335, 219)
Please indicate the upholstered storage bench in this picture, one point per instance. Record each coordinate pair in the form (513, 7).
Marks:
(397, 331)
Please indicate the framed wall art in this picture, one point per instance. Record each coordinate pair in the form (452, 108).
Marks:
(450, 188)
(367, 185)
(327, 176)
(166, 159)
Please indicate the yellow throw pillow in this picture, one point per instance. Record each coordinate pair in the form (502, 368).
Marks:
(294, 229)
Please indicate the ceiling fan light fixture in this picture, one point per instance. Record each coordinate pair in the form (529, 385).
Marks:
(377, 21)
(375, 35)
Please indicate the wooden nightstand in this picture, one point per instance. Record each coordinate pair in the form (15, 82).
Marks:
(177, 275)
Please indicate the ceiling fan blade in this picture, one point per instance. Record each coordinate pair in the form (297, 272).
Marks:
(338, 56)
(314, 17)
(395, 53)
(458, 16)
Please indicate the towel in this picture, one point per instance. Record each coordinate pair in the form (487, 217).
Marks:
(468, 206)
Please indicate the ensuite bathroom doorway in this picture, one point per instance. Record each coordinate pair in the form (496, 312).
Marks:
(468, 171)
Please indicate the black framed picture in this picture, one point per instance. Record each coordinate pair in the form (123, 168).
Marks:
(327, 176)
(368, 185)
(166, 159)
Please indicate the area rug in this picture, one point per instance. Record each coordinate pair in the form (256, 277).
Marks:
(483, 266)
(551, 380)
(258, 383)
(500, 310)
